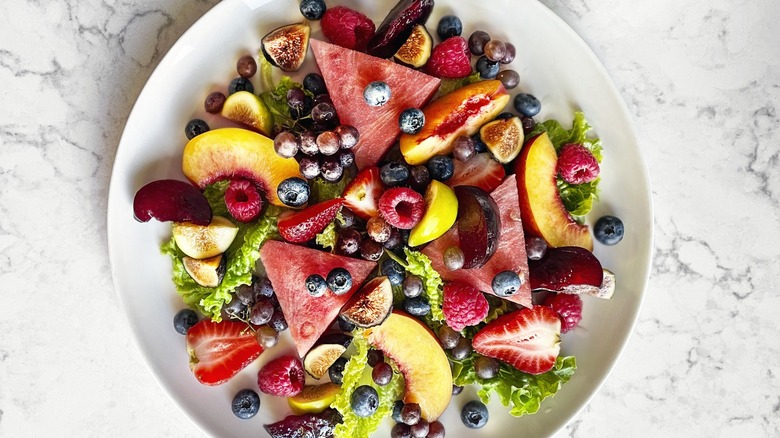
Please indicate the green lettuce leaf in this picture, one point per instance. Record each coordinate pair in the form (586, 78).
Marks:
(240, 257)
(577, 198)
(419, 264)
(327, 237)
(275, 96)
(522, 392)
(322, 190)
(356, 373)
(449, 85)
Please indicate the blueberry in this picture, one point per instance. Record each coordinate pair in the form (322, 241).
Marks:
(506, 283)
(479, 145)
(293, 192)
(336, 371)
(411, 120)
(240, 84)
(316, 285)
(417, 306)
(312, 9)
(394, 173)
(346, 158)
(609, 230)
(183, 320)
(527, 105)
(449, 26)
(194, 128)
(344, 325)
(376, 93)
(487, 69)
(393, 271)
(397, 406)
(245, 404)
(365, 401)
(339, 281)
(314, 83)
(505, 115)
(277, 321)
(474, 414)
(441, 167)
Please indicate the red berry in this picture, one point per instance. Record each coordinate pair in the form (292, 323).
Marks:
(402, 207)
(243, 201)
(304, 225)
(450, 59)
(463, 305)
(347, 28)
(282, 377)
(576, 164)
(569, 308)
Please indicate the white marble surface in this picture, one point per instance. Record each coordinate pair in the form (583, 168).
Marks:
(701, 78)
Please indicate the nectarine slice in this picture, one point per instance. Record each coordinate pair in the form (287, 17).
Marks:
(420, 359)
(541, 207)
(230, 153)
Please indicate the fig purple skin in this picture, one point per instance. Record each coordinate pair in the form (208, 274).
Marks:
(171, 200)
(565, 266)
(479, 225)
(397, 26)
(307, 425)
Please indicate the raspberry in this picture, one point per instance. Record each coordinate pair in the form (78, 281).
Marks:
(463, 305)
(242, 200)
(402, 207)
(450, 59)
(282, 377)
(569, 308)
(347, 28)
(577, 165)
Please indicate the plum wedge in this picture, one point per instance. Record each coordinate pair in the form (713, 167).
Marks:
(171, 200)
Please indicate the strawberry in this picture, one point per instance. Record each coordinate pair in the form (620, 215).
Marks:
(347, 28)
(362, 194)
(528, 339)
(219, 350)
(451, 59)
(304, 225)
(480, 171)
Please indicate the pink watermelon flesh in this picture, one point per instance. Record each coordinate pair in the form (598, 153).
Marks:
(347, 72)
(287, 266)
(509, 256)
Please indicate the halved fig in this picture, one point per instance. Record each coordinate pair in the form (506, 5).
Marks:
(247, 109)
(317, 360)
(171, 200)
(206, 272)
(286, 46)
(565, 266)
(417, 48)
(371, 305)
(314, 398)
(605, 291)
(397, 26)
(479, 225)
(202, 242)
(504, 138)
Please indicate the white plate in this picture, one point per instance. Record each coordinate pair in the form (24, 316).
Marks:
(554, 64)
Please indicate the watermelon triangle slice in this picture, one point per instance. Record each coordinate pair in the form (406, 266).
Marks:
(287, 266)
(509, 256)
(347, 72)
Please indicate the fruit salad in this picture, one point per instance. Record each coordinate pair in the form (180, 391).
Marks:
(401, 213)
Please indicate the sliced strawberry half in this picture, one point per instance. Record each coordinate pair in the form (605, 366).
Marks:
(304, 225)
(219, 350)
(362, 194)
(479, 171)
(528, 339)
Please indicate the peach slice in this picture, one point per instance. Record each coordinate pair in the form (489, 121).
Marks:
(461, 112)
(541, 207)
(421, 360)
(230, 153)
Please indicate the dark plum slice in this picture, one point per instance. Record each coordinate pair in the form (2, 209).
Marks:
(171, 200)
(565, 266)
(307, 425)
(397, 26)
(479, 225)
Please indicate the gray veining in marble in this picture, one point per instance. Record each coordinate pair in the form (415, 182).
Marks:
(702, 80)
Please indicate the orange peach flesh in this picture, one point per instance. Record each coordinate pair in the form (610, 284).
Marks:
(421, 360)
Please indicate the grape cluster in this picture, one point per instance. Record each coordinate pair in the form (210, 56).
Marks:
(257, 305)
(321, 145)
(492, 53)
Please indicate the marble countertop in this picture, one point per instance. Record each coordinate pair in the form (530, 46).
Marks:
(702, 80)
